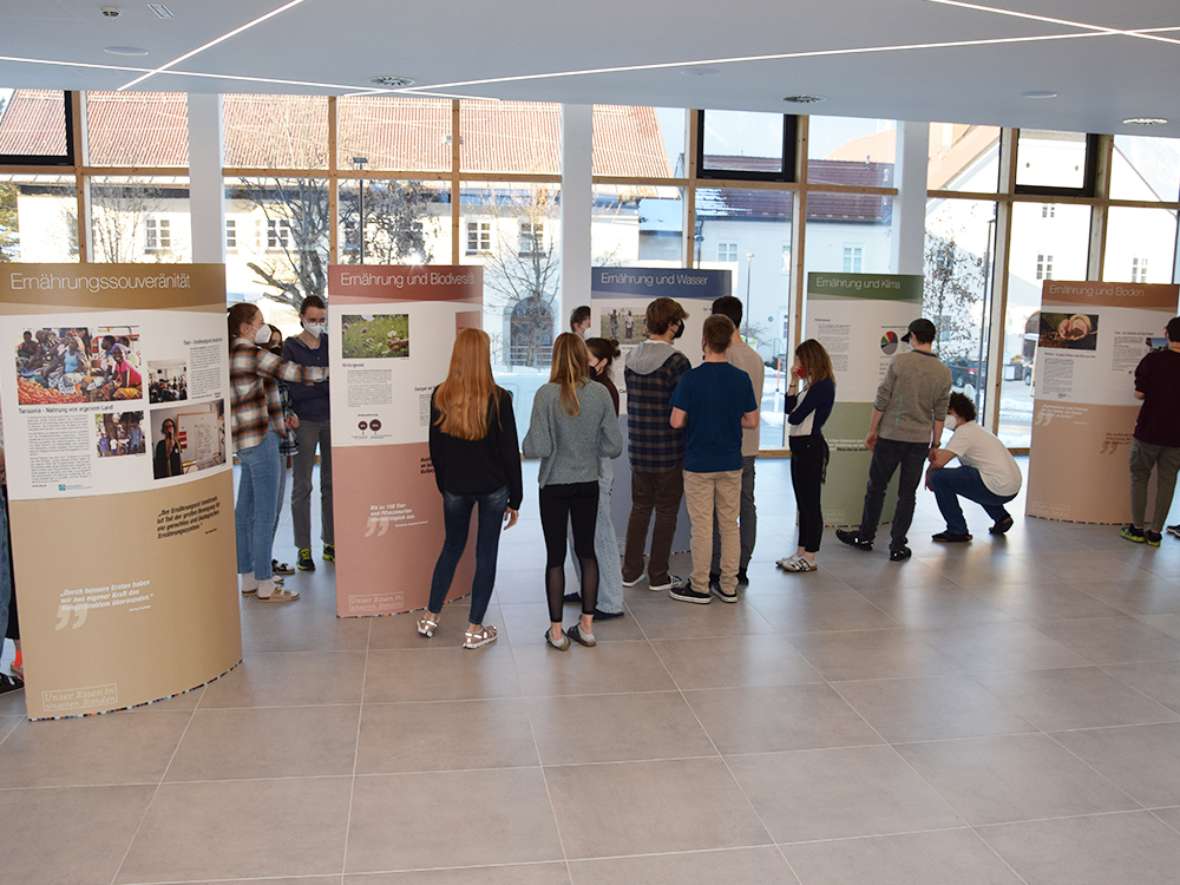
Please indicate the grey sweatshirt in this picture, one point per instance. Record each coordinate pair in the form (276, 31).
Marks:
(570, 446)
(912, 396)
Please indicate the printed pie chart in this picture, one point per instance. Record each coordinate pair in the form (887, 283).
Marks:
(889, 343)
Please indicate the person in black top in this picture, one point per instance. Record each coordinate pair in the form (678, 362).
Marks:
(476, 456)
(167, 459)
(806, 416)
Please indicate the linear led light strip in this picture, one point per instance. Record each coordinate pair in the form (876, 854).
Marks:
(1140, 34)
(181, 58)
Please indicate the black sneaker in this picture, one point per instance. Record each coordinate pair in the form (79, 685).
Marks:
(743, 579)
(9, 683)
(329, 553)
(1174, 530)
(1001, 527)
(1154, 539)
(714, 580)
(1133, 533)
(852, 539)
(900, 554)
(723, 596)
(600, 615)
(573, 597)
(305, 563)
(687, 594)
(951, 537)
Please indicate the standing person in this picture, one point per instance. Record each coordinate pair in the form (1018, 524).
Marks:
(1156, 442)
(907, 421)
(573, 426)
(656, 449)
(288, 445)
(580, 321)
(747, 359)
(9, 625)
(603, 353)
(309, 402)
(713, 403)
(473, 447)
(806, 416)
(256, 415)
(989, 475)
(166, 462)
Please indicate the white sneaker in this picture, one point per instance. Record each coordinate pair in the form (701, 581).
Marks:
(675, 582)
(636, 581)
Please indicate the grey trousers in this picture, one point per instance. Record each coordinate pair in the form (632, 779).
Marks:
(748, 522)
(1166, 461)
(310, 434)
(606, 545)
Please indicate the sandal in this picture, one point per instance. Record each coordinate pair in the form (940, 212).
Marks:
(281, 568)
(427, 625)
(787, 561)
(479, 638)
(564, 645)
(799, 564)
(280, 595)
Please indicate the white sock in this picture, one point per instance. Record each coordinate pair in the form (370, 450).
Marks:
(247, 583)
(266, 588)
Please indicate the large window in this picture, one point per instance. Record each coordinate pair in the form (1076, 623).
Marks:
(140, 219)
(275, 131)
(639, 142)
(851, 151)
(1056, 162)
(637, 225)
(1140, 245)
(142, 129)
(746, 145)
(35, 127)
(389, 221)
(964, 158)
(38, 218)
(1144, 168)
(393, 134)
(510, 136)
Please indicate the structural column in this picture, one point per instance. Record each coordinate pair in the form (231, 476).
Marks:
(909, 206)
(577, 204)
(206, 203)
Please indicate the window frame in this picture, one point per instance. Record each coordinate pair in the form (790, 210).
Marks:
(526, 232)
(231, 232)
(728, 246)
(1089, 186)
(786, 173)
(66, 159)
(482, 228)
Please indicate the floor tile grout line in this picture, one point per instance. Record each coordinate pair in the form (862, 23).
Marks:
(356, 753)
(1170, 826)
(156, 792)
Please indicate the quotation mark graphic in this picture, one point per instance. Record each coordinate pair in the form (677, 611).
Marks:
(378, 525)
(80, 614)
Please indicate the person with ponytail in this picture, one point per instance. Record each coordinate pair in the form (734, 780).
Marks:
(476, 457)
(573, 427)
(256, 417)
(603, 353)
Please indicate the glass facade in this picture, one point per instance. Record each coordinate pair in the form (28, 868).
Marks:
(140, 219)
(38, 217)
(851, 151)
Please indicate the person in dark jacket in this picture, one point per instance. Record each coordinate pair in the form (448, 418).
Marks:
(806, 415)
(476, 456)
(656, 449)
(166, 462)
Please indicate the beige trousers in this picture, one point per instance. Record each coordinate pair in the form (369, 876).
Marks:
(704, 493)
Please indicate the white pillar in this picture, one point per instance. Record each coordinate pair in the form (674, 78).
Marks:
(206, 203)
(577, 203)
(909, 206)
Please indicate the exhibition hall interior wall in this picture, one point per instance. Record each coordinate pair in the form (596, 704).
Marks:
(280, 186)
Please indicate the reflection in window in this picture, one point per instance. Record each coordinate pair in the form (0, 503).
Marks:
(38, 218)
(848, 150)
(140, 219)
(404, 222)
(1145, 168)
(964, 158)
(637, 225)
(287, 258)
(1140, 245)
(752, 225)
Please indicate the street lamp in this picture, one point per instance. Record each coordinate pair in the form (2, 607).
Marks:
(746, 308)
(359, 163)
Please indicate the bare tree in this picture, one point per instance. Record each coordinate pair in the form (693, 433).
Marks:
(394, 228)
(956, 283)
(118, 216)
(297, 224)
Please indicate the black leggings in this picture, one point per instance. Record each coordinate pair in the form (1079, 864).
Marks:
(809, 455)
(576, 505)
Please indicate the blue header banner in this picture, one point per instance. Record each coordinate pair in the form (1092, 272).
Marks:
(659, 282)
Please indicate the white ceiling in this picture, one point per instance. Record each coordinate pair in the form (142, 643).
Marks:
(1101, 77)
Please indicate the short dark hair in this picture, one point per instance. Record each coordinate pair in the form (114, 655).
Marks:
(962, 406)
(719, 330)
(580, 315)
(662, 313)
(1174, 329)
(731, 307)
(312, 301)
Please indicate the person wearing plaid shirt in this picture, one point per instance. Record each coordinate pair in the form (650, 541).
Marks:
(258, 425)
(288, 445)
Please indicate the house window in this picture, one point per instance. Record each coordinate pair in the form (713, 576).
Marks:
(1044, 267)
(278, 234)
(1138, 270)
(479, 237)
(231, 233)
(532, 238)
(727, 251)
(1048, 211)
(157, 235)
(854, 257)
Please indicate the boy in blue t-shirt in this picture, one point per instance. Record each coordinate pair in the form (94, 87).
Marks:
(713, 403)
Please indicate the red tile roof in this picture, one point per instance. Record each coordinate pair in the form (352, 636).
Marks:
(33, 123)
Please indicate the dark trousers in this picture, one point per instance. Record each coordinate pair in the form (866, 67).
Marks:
(808, 454)
(456, 522)
(563, 507)
(660, 492)
(888, 456)
(952, 483)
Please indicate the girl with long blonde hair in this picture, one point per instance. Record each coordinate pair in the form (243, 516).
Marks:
(476, 456)
(573, 426)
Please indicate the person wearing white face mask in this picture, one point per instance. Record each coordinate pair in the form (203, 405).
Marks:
(310, 403)
(989, 475)
(256, 414)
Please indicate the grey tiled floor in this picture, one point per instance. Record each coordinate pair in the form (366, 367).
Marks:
(997, 714)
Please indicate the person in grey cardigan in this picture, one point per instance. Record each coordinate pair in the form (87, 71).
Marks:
(573, 426)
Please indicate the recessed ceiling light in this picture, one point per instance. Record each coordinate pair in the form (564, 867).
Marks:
(804, 99)
(391, 81)
(1145, 121)
(125, 50)
(1039, 94)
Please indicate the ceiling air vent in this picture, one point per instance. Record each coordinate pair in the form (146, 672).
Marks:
(803, 99)
(389, 81)
(161, 11)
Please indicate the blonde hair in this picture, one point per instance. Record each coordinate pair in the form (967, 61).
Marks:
(571, 369)
(462, 399)
(815, 361)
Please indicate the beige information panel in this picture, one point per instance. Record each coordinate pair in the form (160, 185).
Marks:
(114, 395)
(1091, 338)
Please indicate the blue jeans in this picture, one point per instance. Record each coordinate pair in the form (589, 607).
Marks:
(258, 499)
(5, 568)
(457, 523)
(950, 484)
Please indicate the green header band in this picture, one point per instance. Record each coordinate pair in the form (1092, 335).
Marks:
(877, 287)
